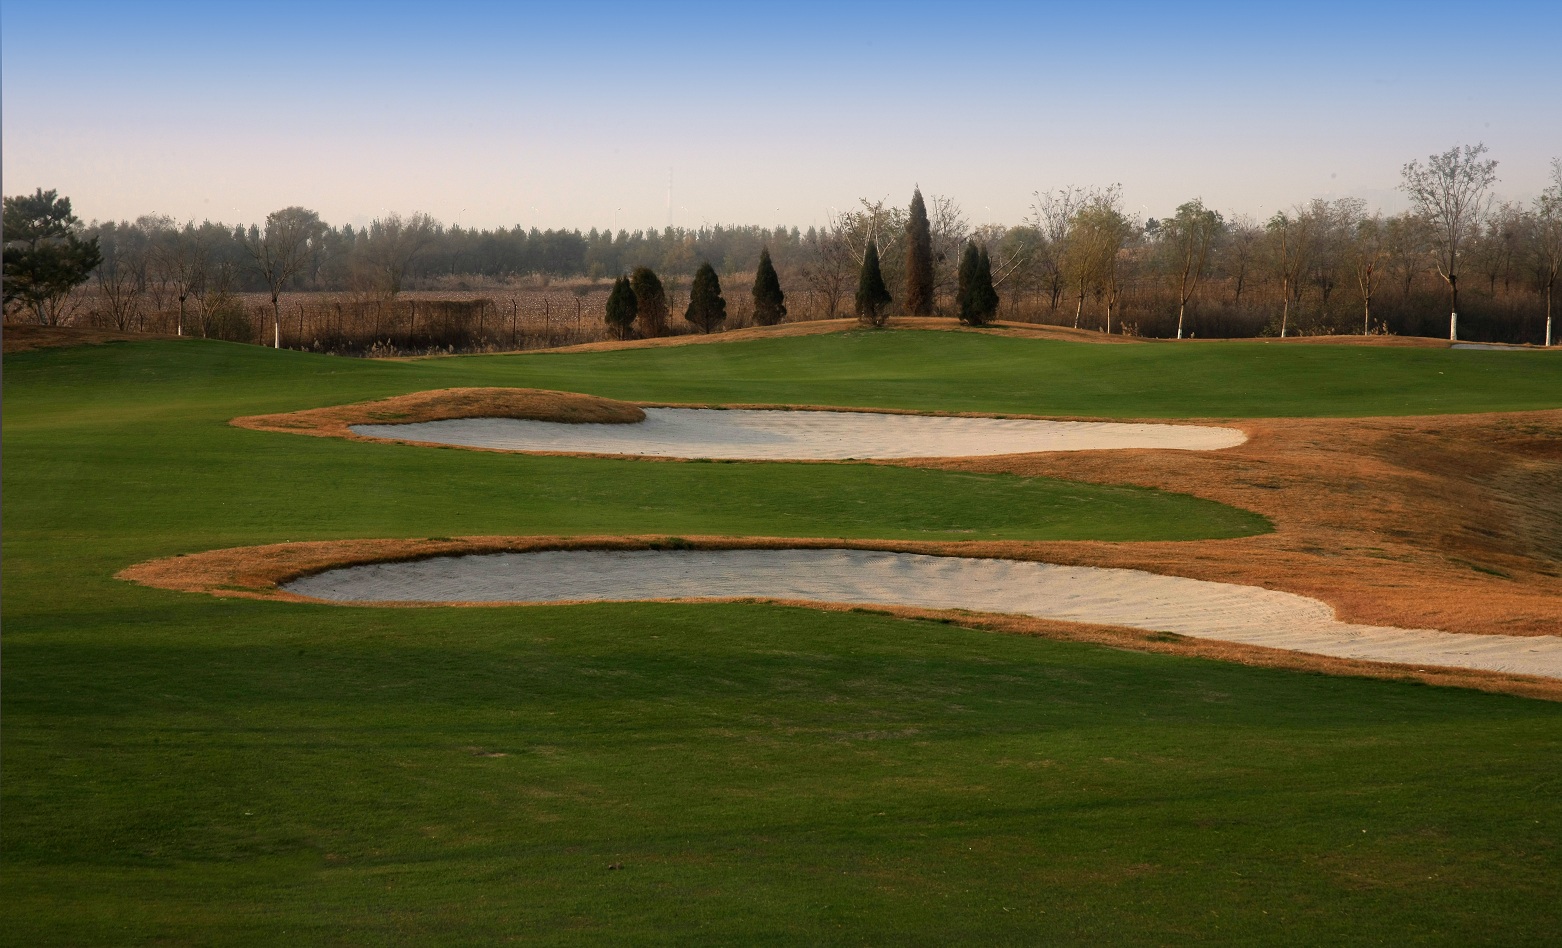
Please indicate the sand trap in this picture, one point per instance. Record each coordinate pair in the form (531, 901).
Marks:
(1222, 611)
(744, 434)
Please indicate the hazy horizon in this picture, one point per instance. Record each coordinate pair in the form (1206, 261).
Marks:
(490, 116)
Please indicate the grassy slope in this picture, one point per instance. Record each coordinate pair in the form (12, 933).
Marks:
(191, 769)
(971, 372)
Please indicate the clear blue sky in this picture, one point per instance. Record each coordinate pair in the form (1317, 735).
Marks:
(572, 114)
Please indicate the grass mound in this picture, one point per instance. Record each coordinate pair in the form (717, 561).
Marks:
(447, 404)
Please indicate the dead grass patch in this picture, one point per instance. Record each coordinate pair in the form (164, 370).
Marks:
(25, 337)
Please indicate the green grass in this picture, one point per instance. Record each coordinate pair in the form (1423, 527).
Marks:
(181, 769)
(973, 372)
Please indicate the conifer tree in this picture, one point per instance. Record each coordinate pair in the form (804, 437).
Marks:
(707, 309)
(984, 297)
(872, 298)
(970, 262)
(769, 301)
(919, 259)
(621, 308)
(650, 302)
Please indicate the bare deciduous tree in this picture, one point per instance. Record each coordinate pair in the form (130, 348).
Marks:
(1051, 214)
(389, 247)
(1187, 237)
(1243, 238)
(1452, 192)
(1548, 238)
(1290, 247)
(280, 251)
(1366, 253)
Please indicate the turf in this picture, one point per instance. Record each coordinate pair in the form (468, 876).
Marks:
(185, 769)
(974, 372)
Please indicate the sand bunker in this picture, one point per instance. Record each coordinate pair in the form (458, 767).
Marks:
(745, 434)
(1222, 611)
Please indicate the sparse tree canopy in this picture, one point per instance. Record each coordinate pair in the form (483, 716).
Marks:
(919, 259)
(44, 258)
(769, 301)
(1452, 192)
(280, 251)
(873, 298)
(707, 309)
(650, 302)
(621, 308)
(388, 248)
(1187, 238)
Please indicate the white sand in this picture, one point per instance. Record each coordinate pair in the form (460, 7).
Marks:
(1223, 611)
(742, 434)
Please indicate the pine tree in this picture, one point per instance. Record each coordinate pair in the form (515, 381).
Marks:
(872, 298)
(919, 259)
(621, 308)
(984, 298)
(650, 302)
(707, 309)
(769, 301)
(970, 263)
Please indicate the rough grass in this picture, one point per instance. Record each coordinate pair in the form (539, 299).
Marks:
(186, 769)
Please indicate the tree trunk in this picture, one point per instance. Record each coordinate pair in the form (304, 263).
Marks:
(1453, 315)
(276, 323)
(1285, 310)
(179, 329)
(1366, 316)
(1079, 308)
(1182, 305)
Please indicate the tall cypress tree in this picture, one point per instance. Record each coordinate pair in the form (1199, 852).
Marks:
(984, 298)
(970, 263)
(621, 308)
(650, 302)
(769, 301)
(707, 309)
(919, 259)
(873, 298)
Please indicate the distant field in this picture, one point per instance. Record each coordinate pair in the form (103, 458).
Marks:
(185, 769)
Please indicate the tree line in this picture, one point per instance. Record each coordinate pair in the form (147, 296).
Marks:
(1459, 262)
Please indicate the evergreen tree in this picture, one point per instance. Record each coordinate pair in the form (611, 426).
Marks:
(919, 259)
(984, 297)
(44, 257)
(650, 302)
(769, 301)
(872, 298)
(707, 309)
(970, 263)
(621, 308)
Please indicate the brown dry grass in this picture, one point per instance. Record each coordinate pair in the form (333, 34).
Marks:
(258, 572)
(1447, 522)
(444, 404)
(25, 337)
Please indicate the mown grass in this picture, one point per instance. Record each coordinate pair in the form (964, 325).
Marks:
(974, 372)
(190, 770)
